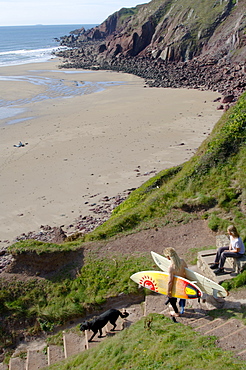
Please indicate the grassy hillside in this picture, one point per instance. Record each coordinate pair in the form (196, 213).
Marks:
(211, 185)
(152, 343)
(41, 305)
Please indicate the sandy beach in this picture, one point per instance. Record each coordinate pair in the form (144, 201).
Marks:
(87, 134)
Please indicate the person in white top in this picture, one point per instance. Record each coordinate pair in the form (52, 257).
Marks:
(236, 249)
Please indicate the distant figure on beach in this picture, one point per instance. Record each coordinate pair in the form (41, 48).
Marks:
(236, 249)
(19, 145)
(177, 267)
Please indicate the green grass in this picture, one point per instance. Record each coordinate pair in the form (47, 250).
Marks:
(211, 185)
(192, 254)
(236, 282)
(43, 304)
(152, 343)
(31, 246)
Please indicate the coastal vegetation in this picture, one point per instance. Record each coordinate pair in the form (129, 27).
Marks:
(211, 185)
(154, 343)
(40, 304)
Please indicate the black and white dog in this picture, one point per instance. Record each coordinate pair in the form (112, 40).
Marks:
(99, 322)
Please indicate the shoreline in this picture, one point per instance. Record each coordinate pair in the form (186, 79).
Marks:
(90, 146)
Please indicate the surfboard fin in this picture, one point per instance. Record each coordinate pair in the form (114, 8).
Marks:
(215, 293)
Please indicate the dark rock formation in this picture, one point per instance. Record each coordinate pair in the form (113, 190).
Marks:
(169, 45)
(172, 31)
(227, 78)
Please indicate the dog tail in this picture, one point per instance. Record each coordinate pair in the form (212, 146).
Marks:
(124, 314)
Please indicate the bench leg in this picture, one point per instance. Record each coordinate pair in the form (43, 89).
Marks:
(236, 265)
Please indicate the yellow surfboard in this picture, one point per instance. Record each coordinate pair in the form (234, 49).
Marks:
(206, 285)
(157, 281)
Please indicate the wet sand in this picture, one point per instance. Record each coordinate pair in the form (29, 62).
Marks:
(90, 144)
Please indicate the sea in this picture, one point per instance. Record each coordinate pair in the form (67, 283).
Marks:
(30, 44)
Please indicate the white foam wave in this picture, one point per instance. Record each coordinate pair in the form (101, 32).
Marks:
(23, 56)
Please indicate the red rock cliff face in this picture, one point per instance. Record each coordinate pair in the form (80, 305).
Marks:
(174, 30)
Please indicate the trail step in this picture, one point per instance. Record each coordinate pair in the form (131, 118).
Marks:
(3, 366)
(136, 311)
(73, 343)
(17, 363)
(154, 303)
(242, 355)
(36, 359)
(157, 303)
(76, 342)
(227, 342)
(222, 330)
(208, 326)
(55, 354)
(96, 339)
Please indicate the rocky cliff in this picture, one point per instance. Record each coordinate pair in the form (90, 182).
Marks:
(172, 30)
(162, 34)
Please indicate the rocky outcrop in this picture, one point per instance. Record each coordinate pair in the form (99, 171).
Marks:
(200, 73)
(113, 24)
(169, 44)
(171, 31)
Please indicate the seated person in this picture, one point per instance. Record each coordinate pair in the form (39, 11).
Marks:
(236, 249)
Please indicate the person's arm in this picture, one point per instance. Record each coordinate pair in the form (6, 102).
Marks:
(170, 282)
(236, 248)
(230, 245)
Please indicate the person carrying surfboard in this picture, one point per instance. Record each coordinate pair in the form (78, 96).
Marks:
(236, 249)
(177, 267)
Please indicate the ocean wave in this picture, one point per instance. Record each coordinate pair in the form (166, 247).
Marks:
(23, 56)
(26, 51)
(30, 44)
